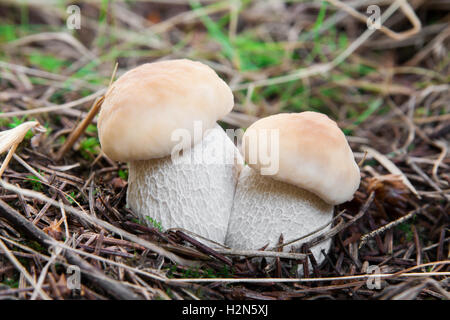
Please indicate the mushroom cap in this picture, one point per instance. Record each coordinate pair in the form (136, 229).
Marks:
(147, 104)
(312, 154)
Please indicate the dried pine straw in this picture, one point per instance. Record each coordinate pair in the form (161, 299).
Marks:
(63, 202)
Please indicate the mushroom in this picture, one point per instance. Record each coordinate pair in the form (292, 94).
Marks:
(299, 166)
(183, 168)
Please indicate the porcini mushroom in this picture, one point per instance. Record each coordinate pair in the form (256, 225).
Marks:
(300, 166)
(179, 183)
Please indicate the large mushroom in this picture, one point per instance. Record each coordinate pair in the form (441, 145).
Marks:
(299, 166)
(183, 168)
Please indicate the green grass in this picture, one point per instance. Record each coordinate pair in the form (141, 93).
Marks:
(406, 228)
(36, 246)
(123, 174)
(92, 128)
(17, 122)
(12, 283)
(317, 25)
(35, 182)
(255, 54)
(246, 51)
(47, 62)
(89, 147)
(71, 197)
(373, 106)
(7, 33)
(61, 140)
(155, 223)
(215, 32)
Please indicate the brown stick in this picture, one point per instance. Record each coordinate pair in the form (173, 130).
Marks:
(8, 158)
(79, 130)
(203, 248)
(73, 137)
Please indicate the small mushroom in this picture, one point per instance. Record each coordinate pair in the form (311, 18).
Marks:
(173, 182)
(300, 166)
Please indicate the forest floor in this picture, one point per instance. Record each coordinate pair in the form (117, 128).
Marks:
(387, 89)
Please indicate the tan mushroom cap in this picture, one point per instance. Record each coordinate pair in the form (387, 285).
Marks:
(146, 104)
(313, 154)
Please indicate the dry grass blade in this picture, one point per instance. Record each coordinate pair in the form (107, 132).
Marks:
(15, 136)
(54, 108)
(390, 225)
(49, 36)
(10, 139)
(305, 280)
(405, 8)
(391, 167)
(257, 253)
(78, 131)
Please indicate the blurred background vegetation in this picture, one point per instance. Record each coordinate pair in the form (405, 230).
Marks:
(246, 42)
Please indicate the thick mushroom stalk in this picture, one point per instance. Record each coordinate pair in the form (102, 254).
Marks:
(300, 166)
(265, 208)
(194, 192)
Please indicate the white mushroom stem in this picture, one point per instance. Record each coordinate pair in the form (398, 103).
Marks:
(194, 192)
(265, 208)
